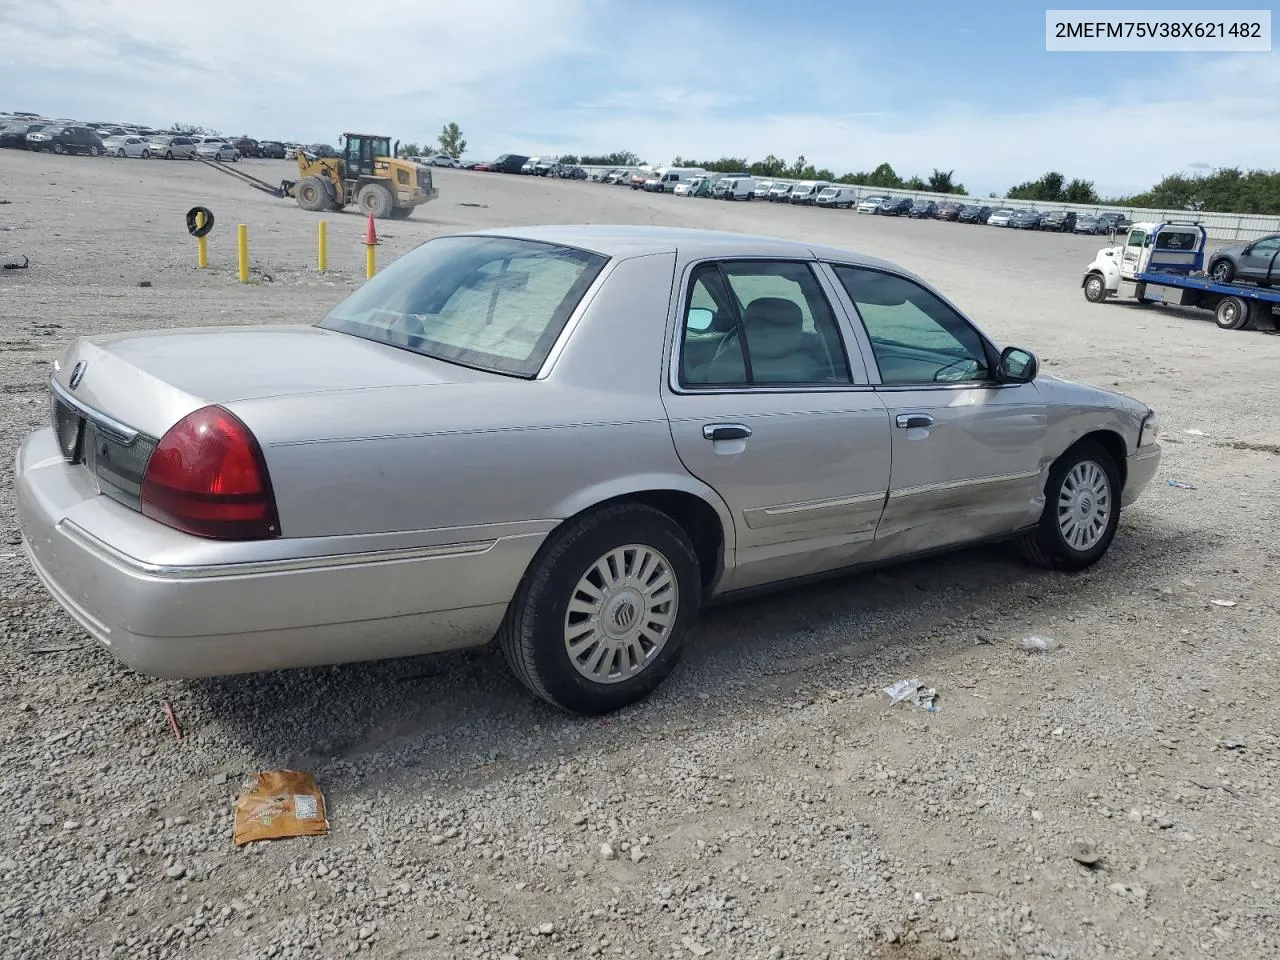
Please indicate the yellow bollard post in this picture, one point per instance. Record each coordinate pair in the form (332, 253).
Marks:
(202, 245)
(242, 248)
(322, 245)
(370, 250)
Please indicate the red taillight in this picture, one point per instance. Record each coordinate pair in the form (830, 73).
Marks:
(207, 477)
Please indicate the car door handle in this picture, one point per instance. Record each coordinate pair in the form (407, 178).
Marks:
(907, 421)
(726, 431)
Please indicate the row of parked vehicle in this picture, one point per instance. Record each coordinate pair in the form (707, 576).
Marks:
(692, 182)
(30, 132)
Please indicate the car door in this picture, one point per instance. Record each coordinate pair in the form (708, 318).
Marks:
(1258, 261)
(968, 452)
(770, 407)
(1131, 261)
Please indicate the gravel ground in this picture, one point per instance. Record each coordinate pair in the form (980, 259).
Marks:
(767, 802)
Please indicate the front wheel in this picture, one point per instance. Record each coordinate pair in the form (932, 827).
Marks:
(1223, 271)
(601, 616)
(1081, 510)
(120, 153)
(146, 154)
(59, 148)
(168, 154)
(1095, 288)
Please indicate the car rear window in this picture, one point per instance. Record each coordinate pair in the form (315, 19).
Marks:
(492, 303)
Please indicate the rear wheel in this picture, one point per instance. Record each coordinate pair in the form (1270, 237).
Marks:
(59, 148)
(146, 154)
(1081, 510)
(311, 194)
(376, 199)
(168, 154)
(120, 153)
(1232, 313)
(95, 151)
(1095, 288)
(1222, 271)
(600, 618)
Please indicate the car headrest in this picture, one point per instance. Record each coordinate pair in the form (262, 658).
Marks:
(775, 326)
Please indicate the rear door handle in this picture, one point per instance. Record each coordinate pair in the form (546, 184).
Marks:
(726, 431)
(908, 421)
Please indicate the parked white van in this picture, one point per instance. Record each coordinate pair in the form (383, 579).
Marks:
(780, 191)
(736, 188)
(839, 198)
(664, 179)
(763, 187)
(807, 192)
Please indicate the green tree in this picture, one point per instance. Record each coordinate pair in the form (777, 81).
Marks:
(1080, 191)
(914, 183)
(1048, 188)
(450, 140)
(619, 158)
(410, 150)
(941, 182)
(191, 130)
(884, 176)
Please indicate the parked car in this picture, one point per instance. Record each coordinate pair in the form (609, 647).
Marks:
(200, 513)
(127, 147)
(66, 139)
(273, 150)
(320, 150)
(780, 192)
(570, 171)
(871, 204)
(173, 148)
(923, 210)
(441, 160)
(217, 151)
(735, 188)
(894, 206)
(619, 178)
(1063, 221)
(947, 210)
(1109, 221)
(807, 193)
(837, 198)
(1089, 224)
(1254, 261)
(14, 135)
(1001, 217)
(1025, 219)
(974, 213)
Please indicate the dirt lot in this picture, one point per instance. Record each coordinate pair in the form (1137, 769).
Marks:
(767, 802)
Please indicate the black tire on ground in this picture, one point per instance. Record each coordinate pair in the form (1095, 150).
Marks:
(311, 194)
(1232, 313)
(95, 151)
(146, 154)
(59, 148)
(1222, 271)
(376, 199)
(120, 153)
(1095, 288)
(402, 213)
(1046, 545)
(533, 634)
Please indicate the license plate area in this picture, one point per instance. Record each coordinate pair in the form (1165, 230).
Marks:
(68, 425)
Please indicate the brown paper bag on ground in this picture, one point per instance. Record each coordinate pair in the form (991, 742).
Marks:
(282, 803)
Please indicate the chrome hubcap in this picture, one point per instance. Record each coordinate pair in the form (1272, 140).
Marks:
(1095, 287)
(620, 614)
(1084, 505)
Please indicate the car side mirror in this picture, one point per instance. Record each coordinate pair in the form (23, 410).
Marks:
(1017, 366)
(1247, 250)
(699, 319)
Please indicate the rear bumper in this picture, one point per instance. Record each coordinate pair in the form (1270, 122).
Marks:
(154, 599)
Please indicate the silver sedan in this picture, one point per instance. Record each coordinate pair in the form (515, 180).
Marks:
(217, 150)
(173, 148)
(127, 146)
(571, 438)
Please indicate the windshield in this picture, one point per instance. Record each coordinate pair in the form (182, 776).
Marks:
(492, 303)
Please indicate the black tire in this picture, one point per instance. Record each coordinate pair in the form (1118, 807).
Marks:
(532, 635)
(95, 151)
(1232, 313)
(1222, 271)
(59, 148)
(146, 154)
(121, 154)
(376, 199)
(1046, 546)
(311, 194)
(1095, 288)
(168, 154)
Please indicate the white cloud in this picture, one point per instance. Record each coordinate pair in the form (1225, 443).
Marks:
(593, 76)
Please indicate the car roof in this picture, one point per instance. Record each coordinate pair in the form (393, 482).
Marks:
(625, 241)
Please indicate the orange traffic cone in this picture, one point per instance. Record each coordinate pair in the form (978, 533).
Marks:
(371, 233)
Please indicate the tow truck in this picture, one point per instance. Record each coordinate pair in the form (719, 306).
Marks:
(1164, 263)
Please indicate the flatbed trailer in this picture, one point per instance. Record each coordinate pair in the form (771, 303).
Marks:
(1163, 263)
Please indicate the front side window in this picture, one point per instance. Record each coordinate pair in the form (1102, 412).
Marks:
(1137, 238)
(492, 303)
(760, 323)
(916, 338)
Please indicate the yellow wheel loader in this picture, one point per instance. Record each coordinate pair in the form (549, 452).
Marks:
(366, 172)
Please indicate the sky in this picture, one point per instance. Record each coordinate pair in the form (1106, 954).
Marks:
(964, 85)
